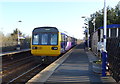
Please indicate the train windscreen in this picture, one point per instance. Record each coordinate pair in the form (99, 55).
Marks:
(45, 39)
(36, 39)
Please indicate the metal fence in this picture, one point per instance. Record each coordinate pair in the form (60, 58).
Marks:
(94, 43)
(113, 49)
(11, 46)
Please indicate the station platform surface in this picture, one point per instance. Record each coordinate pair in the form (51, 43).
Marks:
(13, 52)
(75, 67)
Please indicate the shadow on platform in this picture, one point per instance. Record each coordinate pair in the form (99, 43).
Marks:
(77, 69)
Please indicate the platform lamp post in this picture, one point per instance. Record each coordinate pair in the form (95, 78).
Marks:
(86, 18)
(104, 52)
(18, 33)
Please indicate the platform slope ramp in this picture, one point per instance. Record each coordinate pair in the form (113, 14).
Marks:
(73, 67)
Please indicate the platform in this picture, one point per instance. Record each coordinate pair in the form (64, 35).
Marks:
(14, 52)
(74, 67)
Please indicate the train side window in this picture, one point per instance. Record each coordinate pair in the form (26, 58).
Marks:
(44, 39)
(36, 39)
(66, 38)
(53, 39)
(63, 37)
(69, 39)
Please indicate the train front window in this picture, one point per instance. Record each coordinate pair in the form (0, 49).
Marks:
(44, 39)
(35, 39)
(53, 39)
(48, 39)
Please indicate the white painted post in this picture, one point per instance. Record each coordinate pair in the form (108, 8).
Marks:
(105, 24)
(104, 52)
(109, 32)
(117, 32)
(101, 35)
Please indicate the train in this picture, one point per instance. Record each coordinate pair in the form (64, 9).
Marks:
(50, 42)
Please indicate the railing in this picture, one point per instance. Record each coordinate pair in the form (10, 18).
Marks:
(11, 46)
(113, 49)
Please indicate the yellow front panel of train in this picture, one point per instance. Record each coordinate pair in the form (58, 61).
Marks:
(45, 50)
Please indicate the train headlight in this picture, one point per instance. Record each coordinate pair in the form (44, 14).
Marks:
(34, 47)
(54, 48)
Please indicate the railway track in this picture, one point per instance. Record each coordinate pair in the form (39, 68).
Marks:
(24, 77)
(11, 64)
(20, 68)
(10, 57)
(15, 64)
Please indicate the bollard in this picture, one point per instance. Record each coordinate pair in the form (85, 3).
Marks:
(104, 63)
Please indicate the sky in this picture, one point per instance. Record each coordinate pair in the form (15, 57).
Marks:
(63, 14)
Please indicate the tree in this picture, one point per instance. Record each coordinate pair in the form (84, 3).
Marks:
(15, 32)
(113, 17)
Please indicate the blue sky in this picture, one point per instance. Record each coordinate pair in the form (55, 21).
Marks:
(65, 15)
